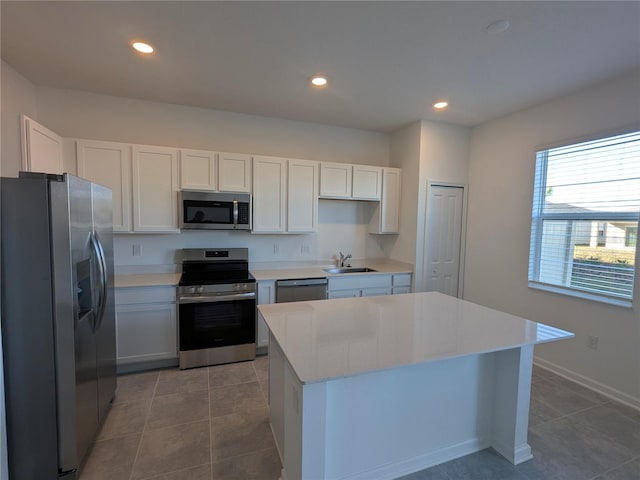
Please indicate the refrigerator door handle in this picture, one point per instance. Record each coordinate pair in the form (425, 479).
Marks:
(102, 268)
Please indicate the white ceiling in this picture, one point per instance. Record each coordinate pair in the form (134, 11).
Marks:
(387, 62)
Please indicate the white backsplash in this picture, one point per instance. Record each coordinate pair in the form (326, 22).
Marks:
(342, 225)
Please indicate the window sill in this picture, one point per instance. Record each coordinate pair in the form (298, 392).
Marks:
(583, 295)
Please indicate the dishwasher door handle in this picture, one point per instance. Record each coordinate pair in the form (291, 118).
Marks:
(303, 282)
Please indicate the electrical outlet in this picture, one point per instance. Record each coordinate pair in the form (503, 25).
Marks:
(592, 342)
(137, 251)
(304, 248)
(276, 248)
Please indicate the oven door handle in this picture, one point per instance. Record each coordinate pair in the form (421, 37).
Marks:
(217, 298)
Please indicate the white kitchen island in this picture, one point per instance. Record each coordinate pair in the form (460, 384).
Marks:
(379, 387)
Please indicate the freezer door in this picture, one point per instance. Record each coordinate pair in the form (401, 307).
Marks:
(27, 329)
(105, 329)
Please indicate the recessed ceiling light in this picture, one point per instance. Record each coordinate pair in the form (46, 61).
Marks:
(498, 26)
(142, 47)
(440, 105)
(319, 81)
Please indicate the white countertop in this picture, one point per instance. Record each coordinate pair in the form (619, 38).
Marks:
(146, 280)
(317, 271)
(337, 338)
(263, 272)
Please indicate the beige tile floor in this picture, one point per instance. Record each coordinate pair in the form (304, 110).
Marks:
(212, 424)
(204, 423)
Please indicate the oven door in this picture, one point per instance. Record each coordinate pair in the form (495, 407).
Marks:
(217, 321)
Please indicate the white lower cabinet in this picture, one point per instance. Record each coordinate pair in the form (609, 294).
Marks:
(369, 285)
(344, 293)
(266, 295)
(401, 283)
(146, 327)
(359, 286)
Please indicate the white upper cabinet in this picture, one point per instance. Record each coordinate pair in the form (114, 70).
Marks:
(367, 182)
(269, 194)
(285, 195)
(41, 148)
(234, 172)
(335, 180)
(109, 164)
(198, 170)
(155, 188)
(302, 196)
(385, 219)
(356, 182)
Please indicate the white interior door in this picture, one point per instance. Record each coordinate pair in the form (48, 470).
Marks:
(443, 239)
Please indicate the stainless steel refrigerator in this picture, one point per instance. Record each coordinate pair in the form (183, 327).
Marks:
(58, 320)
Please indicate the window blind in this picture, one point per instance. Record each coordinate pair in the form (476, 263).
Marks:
(586, 206)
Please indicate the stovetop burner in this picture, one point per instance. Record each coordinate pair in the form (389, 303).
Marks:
(187, 280)
(208, 266)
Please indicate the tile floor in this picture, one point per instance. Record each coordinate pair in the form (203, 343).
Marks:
(212, 423)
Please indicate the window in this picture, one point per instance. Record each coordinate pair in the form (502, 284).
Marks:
(586, 206)
(630, 236)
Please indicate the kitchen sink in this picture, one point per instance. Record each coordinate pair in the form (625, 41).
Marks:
(350, 270)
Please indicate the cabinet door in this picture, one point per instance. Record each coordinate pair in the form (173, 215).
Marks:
(234, 172)
(266, 295)
(302, 196)
(373, 292)
(398, 290)
(109, 164)
(385, 219)
(269, 194)
(146, 332)
(198, 170)
(390, 202)
(367, 182)
(41, 148)
(344, 293)
(155, 188)
(335, 180)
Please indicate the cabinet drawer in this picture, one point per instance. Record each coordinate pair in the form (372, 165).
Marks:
(344, 294)
(374, 292)
(359, 282)
(133, 295)
(398, 290)
(402, 280)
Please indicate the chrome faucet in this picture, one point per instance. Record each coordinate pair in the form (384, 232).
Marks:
(343, 259)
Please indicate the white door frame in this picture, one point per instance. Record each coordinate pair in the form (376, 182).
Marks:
(463, 232)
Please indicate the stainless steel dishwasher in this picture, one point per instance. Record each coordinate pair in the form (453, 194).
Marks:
(301, 289)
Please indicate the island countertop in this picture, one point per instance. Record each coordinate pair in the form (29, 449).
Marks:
(338, 338)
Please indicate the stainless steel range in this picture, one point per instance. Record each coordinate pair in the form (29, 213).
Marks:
(217, 307)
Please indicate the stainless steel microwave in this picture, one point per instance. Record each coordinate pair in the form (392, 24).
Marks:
(214, 211)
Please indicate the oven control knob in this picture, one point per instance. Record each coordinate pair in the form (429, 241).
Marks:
(200, 289)
(192, 290)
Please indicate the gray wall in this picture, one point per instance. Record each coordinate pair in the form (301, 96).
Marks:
(501, 177)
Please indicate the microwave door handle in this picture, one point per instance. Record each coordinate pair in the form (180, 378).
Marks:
(235, 214)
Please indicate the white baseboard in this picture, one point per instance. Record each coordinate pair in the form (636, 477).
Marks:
(598, 387)
(420, 462)
(515, 456)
